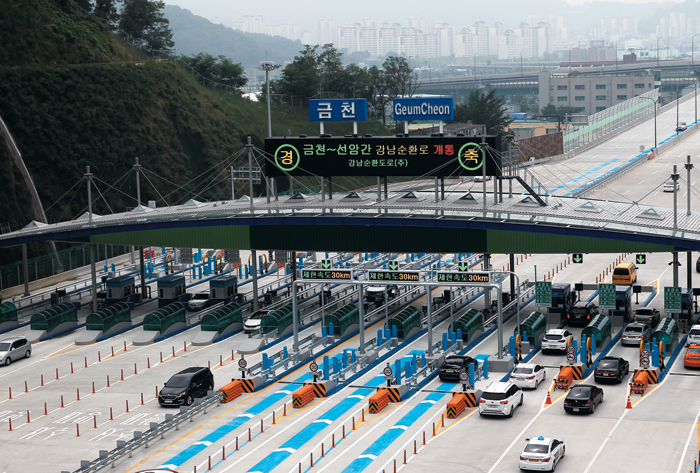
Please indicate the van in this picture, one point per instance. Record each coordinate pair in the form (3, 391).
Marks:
(183, 387)
(625, 274)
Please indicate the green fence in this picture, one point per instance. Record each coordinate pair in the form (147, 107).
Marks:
(218, 320)
(8, 312)
(51, 318)
(469, 323)
(48, 265)
(599, 328)
(667, 332)
(342, 319)
(535, 325)
(108, 317)
(278, 320)
(405, 320)
(162, 319)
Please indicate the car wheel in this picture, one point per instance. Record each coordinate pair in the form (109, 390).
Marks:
(28, 354)
(601, 399)
(592, 408)
(537, 383)
(510, 413)
(554, 465)
(563, 451)
(8, 361)
(209, 388)
(521, 400)
(189, 400)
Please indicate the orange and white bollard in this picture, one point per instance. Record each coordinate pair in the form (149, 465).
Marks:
(142, 399)
(223, 453)
(61, 401)
(46, 409)
(148, 361)
(25, 387)
(107, 380)
(77, 429)
(135, 369)
(94, 421)
(77, 391)
(29, 421)
(71, 368)
(127, 405)
(9, 419)
(548, 401)
(86, 362)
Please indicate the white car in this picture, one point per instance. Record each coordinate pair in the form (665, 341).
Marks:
(528, 375)
(693, 336)
(252, 323)
(199, 300)
(542, 454)
(481, 178)
(668, 186)
(500, 399)
(555, 340)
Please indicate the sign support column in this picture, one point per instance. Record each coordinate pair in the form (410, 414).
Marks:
(361, 304)
(430, 320)
(295, 320)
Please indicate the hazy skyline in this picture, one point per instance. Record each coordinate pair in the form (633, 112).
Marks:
(451, 11)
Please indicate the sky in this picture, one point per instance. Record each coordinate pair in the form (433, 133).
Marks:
(304, 13)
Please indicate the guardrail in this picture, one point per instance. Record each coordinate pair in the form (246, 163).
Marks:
(108, 459)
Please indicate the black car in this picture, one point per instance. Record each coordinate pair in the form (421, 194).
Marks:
(582, 313)
(184, 386)
(611, 368)
(648, 316)
(583, 398)
(449, 371)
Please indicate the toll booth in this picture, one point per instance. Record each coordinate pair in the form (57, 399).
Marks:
(667, 332)
(532, 328)
(8, 315)
(623, 304)
(600, 328)
(375, 294)
(223, 288)
(562, 300)
(120, 289)
(170, 288)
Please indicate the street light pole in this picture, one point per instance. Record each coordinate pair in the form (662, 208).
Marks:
(655, 104)
(268, 66)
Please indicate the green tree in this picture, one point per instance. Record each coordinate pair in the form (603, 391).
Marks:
(219, 69)
(300, 77)
(485, 109)
(143, 22)
(403, 82)
(107, 10)
(380, 96)
(549, 109)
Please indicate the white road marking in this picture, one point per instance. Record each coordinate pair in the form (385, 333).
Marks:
(600, 449)
(286, 449)
(368, 455)
(687, 442)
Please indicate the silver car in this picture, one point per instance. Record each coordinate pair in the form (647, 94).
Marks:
(12, 349)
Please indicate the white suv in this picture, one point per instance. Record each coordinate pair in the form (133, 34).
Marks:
(693, 336)
(555, 340)
(500, 399)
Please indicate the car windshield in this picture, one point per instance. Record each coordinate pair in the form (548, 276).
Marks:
(553, 336)
(178, 382)
(633, 329)
(695, 332)
(256, 316)
(608, 364)
(669, 183)
(522, 371)
(621, 272)
(536, 448)
(580, 392)
(494, 396)
(694, 350)
(4, 347)
(201, 296)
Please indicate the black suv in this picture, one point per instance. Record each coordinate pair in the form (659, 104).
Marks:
(449, 371)
(611, 368)
(582, 313)
(184, 386)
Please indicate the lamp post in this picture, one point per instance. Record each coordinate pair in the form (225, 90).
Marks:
(655, 103)
(268, 66)
(657, 50)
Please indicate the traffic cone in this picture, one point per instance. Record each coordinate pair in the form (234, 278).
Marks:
(549, 399)
(629, 403)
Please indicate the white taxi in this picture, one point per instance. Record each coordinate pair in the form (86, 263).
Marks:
(528, 375)
(542, 454)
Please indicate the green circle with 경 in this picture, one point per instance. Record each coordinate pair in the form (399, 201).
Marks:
(292, 155)
(479, 157)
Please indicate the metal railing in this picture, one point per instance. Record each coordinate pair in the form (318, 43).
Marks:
(108, 459)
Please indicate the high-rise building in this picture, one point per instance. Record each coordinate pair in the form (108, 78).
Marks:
(325, 31)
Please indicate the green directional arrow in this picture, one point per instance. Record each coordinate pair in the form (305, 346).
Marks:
(641, 259)
(578, 258)
(326, 264)
(393, 265)
(463, 266)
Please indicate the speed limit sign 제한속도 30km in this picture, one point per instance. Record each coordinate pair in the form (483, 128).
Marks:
(242, 363)
(388, 371)
(313, 367)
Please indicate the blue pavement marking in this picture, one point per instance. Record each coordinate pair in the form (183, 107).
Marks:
(584, 175)
(390, 436)
(233, 424)
(313, 429)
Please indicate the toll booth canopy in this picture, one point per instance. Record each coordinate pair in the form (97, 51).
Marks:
(343, 318)
(535, 326)
(405, 320)
(120, 288)
(223, 287)
(108, 317)
(221, 318)
(8, 312)
(600, 328)
(469, 323)
(162, 319)
(51, 318)
(278, 320)
(667, 332)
